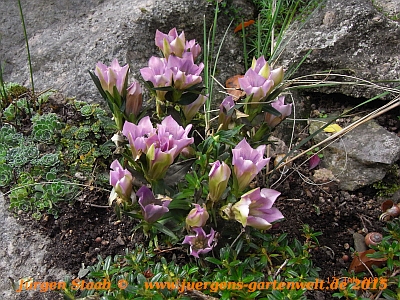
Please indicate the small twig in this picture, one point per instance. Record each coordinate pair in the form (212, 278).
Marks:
(95, 205)
(241, 232)
(280, 268)
(167, 250)
(369, 271)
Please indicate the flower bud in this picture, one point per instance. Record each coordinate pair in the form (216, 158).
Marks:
(218, 180)
(134, 99)
(197, 217)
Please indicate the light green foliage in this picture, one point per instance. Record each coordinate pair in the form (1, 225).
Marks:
(82, 132)
(20, 107)
(87, 110)
(47, 160)
(5, 174)
(38, 164)
(45, 127)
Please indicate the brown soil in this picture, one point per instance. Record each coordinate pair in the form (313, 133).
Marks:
(84, 231)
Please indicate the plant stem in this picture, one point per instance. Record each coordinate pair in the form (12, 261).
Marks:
(29, 55)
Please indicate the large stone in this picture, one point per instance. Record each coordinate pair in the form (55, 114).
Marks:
(362, 156)
(351, 37)
(67, 38)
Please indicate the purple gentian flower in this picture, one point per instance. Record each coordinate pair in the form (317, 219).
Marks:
(114, 75)
(194, 48)
(185, 73)
(165, 146)
(158, 73)
(197, 217)
(170, 43)
(137, 135)
(153, 209)
(191, 109)
(247, 163)
(259, 80)
(218, 179)
(255, 209)
(280, 106)
(134, 99)
(200, 243)
(225, 113)
(121, 180)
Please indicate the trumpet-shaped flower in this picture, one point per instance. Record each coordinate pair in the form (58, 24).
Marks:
(225, 112)
(280, 106)
(255, 209)
(114, 75)
(191, 109)
(153, 209)
(193, 47)
(185, 73)
(172, 135)
(218, 179)
(200, 243)
(259, 80)
(247, 163)
(170, 43)
(134, 99)
(197, 217)
(137, 135)
(121, 180)
(158, 74)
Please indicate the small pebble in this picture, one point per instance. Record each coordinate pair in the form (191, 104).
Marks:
(98, 239)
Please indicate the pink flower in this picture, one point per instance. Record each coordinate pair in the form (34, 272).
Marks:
(191, 109)
(137, 135)
(197, 217)
(121, 180)
(158, 74)
(114, 75)
(170, 43)
(255, 209)
(225, 112)
(247, 163)
(134, 99)
(259, 80)
(200, 243)
(218, 179)
(280, 106)
(153, 209)
(185, 73)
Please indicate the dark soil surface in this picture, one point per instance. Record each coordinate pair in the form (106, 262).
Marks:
(87, 228)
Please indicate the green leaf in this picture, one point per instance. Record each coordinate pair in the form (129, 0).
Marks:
(213, 260)
(188, 98)
(165, 230)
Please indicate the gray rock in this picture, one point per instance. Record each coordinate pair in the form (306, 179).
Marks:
(22, 256)
(67, 38)
(350, 37)
(362, 156)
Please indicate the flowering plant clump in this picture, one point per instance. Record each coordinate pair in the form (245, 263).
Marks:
(173, 181)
